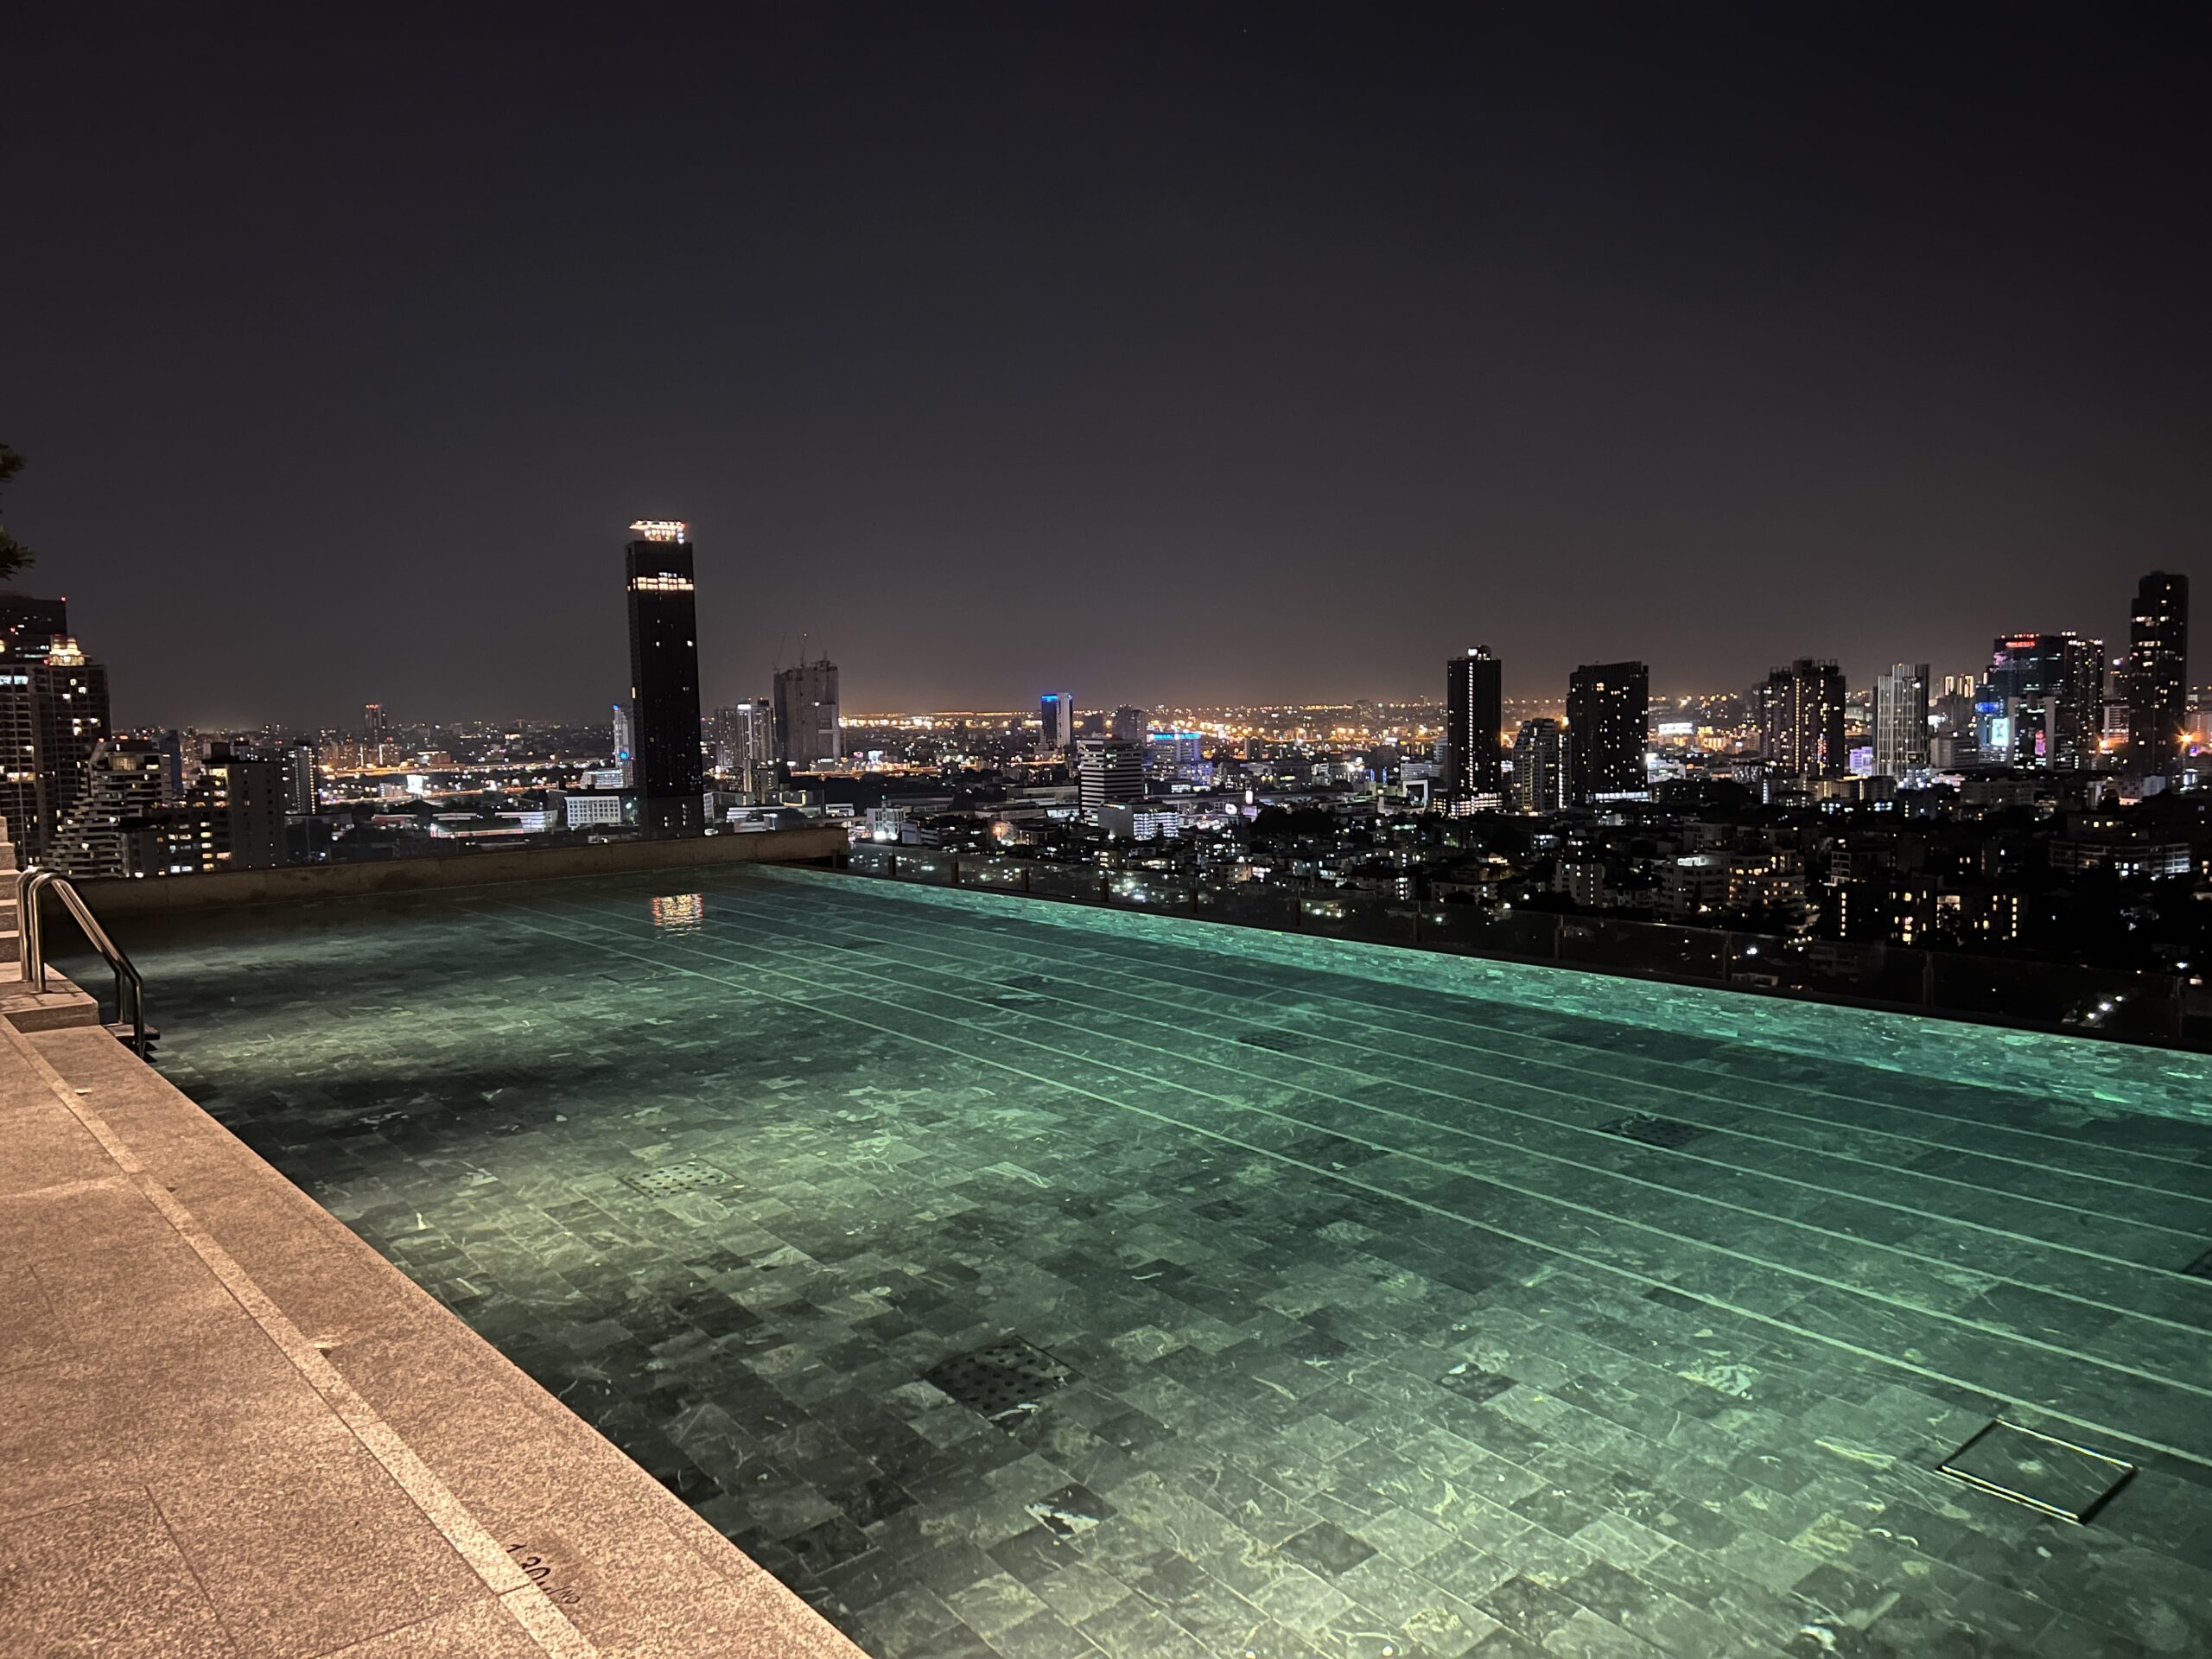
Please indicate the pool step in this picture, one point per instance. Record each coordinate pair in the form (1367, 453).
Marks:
(120, 1030)
(59, 1005)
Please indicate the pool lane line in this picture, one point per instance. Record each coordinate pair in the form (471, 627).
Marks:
(1564, 1252)
(922, 899)
(2127, 1183)
(811, 929)
(1500, 1182)
(1321, 1020)
(939, 900)
(546, 1626)
(1997, 1277)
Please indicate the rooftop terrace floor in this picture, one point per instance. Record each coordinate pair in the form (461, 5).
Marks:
(229, 1429)
(1014, 1280)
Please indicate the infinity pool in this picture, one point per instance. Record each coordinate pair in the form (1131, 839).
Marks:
(1013, 1279)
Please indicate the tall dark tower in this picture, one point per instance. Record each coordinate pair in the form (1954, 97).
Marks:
(664, 677)
(1801, 720)
(1474, 709)
(2158, 675)
(1608, 716)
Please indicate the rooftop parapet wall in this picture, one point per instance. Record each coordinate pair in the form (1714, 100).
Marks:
(293, 884)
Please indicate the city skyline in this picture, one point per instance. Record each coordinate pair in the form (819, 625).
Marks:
(1358, 345)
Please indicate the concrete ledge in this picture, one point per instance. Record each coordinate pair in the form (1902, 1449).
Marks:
(160, 895)
(227, 1427)
(63, 1003)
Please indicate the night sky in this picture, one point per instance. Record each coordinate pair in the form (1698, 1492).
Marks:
(1186, 352)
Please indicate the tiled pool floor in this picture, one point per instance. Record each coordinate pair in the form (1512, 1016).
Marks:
(1375, 1319)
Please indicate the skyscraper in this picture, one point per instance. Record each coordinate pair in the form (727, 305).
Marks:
(69, 705)
(1608, 714)
(1539, 766)
(2157, 674)
(30, 627)
(1801, 720)
(2082, 723)
(122, 782)
(2051, 686)
(744, 741)
(1055, 722)
(231, 817)
(1129, 724)
(302, 768)
(1473, 713)
(19, 787)
(1108, 772)
(664, 676)
(807, 732)
(1901, 720)
(626, 743)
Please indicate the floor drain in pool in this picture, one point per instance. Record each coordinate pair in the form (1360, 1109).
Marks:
(1004, 1381)
(689, 1176)
(2045, 1473)
(2202, 1267)
(1655, 1131)
(1282, 1042)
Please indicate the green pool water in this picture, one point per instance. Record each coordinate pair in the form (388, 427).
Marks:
(1016, 1278)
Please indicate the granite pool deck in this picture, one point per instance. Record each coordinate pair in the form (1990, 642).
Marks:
(228, 1428)
(1027, 1284)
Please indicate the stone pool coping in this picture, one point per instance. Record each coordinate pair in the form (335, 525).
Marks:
(228, 1426)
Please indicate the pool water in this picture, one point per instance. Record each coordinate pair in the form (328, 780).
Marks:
(1013, 1279)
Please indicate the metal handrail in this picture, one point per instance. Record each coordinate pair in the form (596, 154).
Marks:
(30, 947)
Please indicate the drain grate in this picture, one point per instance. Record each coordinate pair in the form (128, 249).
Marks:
(688, 1176)
(1667, 1132)
(2202, 1267)
(1003, 1381)
(1282, 1042)
(1475, 1383)
(2053, 1476)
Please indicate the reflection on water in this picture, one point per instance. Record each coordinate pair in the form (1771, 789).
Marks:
(679, 912)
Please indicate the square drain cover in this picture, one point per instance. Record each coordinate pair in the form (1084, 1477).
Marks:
(2053, 1476)
(2202, 1266)
(1003, 1381)
(1655, 1131)
(688, 1176)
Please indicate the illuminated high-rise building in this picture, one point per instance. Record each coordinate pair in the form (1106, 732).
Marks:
(1129, 724)
(1108, 772)
(301, 768)
(1540, 753)
(1474, 712)
(625, 744)
(1608, 721)
(1055, 722)
(2052, 690)
(19, 786)
(807, 732)
(30, 627)
(121, 783)
(2158, 675)
(67, 694)
(664, 677)
(231, 817)
(743, 734)
(1178, 754)
(1901, 720)
(1801, 720)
